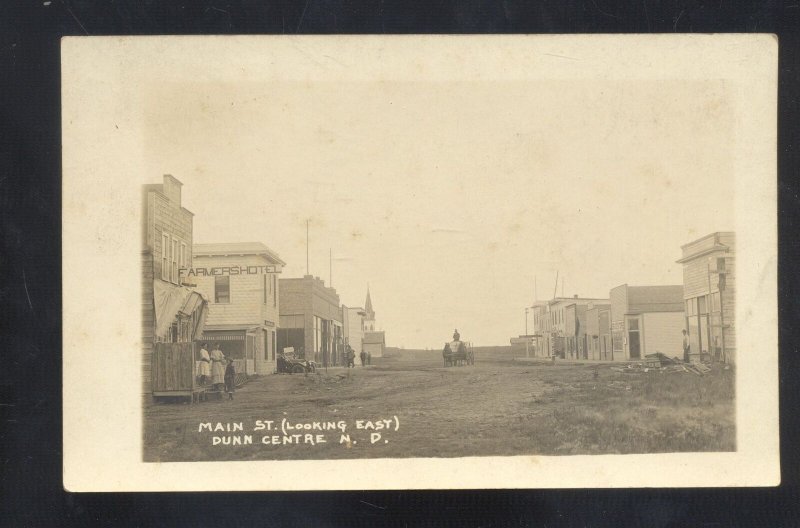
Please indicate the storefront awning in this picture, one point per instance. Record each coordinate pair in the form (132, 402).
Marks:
(172, 302)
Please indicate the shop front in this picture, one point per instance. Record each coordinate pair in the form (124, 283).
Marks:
(242, 344)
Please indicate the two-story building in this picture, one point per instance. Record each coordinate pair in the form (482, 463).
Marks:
(240, 280)
(353, 324)
(541, 329)
(598, 331)
(560, 322)
(311, 320)
(171, 312)
(709, 295)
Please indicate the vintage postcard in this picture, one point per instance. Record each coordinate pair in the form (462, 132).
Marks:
(362, 262)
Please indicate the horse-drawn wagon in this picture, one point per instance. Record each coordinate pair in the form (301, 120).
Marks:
(457, 352)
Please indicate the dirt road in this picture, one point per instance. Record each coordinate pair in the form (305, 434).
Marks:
(419, 409)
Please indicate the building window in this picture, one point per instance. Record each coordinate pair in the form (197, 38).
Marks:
(174, 259)
(274, 343)
(265, 288)
(222, 289)
(701, 305)
(715, 305)
(184, 262)
(274, 291)
(165, 246)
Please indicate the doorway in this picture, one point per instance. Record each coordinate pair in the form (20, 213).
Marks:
(634, 345)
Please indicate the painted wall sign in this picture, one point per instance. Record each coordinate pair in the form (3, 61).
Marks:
(228, 270)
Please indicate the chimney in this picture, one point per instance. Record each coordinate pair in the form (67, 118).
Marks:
(575, 296)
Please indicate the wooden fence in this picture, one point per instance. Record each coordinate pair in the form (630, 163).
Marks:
(173, 369)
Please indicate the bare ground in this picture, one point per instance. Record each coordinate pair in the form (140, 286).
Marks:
(496, 407)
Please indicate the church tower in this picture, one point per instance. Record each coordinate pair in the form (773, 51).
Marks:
(369, 319)
(373, 342)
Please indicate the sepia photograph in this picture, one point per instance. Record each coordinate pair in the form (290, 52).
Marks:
(457, 250)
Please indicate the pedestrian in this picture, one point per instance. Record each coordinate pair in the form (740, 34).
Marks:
(351, 359)
(369, 358)
(230, 379)
(363, 358)
(686, 346)
(204, 364)
(217, 367)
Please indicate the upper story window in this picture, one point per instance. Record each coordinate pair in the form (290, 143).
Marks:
(265, 281)
(222, 289)
(174, 260)
(165, 247)
(174, 256)
(184, 260)
(274, 291)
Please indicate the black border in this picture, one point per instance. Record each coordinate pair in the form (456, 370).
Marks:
(31, 492)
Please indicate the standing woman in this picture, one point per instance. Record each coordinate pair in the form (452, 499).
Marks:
(217, 367)
(204, 365)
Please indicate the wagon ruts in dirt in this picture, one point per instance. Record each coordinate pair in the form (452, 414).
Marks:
(458, 353)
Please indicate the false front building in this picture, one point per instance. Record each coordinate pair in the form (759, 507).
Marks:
(311, 320)
(559, 326)
(709, 293)
(353, 319)
(241, 282)
(646, 320)
(171, 312)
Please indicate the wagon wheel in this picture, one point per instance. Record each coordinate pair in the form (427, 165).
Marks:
(298, 369)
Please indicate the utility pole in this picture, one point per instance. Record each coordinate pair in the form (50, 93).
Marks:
(555, 290)
(527, 339)
(307, 270)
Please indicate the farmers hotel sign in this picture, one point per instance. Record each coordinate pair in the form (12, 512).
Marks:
(229, 270)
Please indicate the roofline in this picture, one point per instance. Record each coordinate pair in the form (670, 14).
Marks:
(225, 253)
(158, 188)
(650, 286)
(712, 249)
(714, 234)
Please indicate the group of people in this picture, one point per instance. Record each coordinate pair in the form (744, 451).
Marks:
(215, 367)
(350, 357)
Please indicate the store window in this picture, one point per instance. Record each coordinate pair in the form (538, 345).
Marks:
(222, 289)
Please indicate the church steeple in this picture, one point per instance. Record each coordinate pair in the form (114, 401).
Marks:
(369, 319)
(368, 306)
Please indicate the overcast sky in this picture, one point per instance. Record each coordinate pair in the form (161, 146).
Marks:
(451, 199)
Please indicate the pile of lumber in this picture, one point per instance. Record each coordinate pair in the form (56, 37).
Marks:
(660, 363)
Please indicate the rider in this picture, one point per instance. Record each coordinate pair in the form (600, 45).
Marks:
(456, 341)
